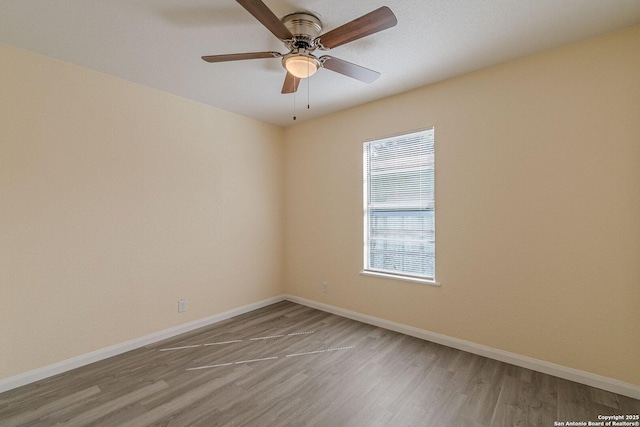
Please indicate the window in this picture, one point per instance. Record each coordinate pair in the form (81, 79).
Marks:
(399, 206)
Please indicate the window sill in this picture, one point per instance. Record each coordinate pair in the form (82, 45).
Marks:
(431, 282)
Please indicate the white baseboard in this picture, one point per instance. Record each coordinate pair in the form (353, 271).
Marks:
(605, 383)
(114, 350)
(582, 377)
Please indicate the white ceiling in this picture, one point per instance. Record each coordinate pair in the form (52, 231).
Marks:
(158, 43)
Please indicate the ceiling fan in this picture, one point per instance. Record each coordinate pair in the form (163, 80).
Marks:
(300, 33)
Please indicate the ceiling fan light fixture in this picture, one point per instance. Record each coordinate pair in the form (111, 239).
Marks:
(301, 66)
(301, 34)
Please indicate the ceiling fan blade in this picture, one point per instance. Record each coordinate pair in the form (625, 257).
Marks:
(262, 13)
(240, 56)
(348, 69)
(291, 83)
(378, 20)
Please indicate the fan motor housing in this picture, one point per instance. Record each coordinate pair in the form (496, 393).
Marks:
(305, 27)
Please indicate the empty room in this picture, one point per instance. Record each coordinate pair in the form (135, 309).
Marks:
(320, 213)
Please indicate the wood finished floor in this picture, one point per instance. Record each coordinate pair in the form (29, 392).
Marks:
(290, 365)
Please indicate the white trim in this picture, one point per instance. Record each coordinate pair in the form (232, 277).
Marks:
(114, 350)
(587, 378)
(431, 282)
(571, 374)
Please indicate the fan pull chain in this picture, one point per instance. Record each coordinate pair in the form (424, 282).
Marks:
(308, 82)
(294, 105)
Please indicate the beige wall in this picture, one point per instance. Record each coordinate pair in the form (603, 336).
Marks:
(538, 207)
(115, 201)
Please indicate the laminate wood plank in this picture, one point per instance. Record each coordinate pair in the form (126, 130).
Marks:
(542, 398)
(23, 417)
(180, 401)
(574, 402)
(113, 405)
(429, 396)
(392, 394)
(603, 397)
(291, 365)
(513, 404)
(628, 405)
(483, 387)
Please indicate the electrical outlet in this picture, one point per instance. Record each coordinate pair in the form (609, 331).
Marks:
(182, 305)
(325, 287)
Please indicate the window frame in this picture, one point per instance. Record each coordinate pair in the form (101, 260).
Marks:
(431, 280)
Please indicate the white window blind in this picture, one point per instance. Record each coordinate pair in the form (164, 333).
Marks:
(399, 205)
